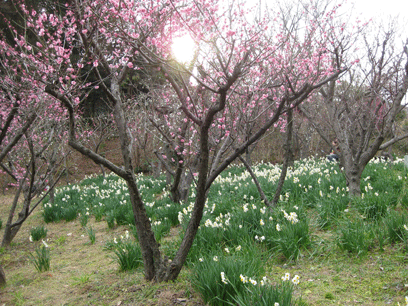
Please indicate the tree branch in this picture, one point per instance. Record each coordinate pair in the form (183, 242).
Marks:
(392, 141)
(17, 137)
(255, 179)
(98, 159)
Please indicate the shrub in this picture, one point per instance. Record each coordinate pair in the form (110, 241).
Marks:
(128, 255)
(210, 239)
(110, 219)
(356, 237)
(266, 295)
(161, 228)
(83, 219)
(37, 233)
(219, 278)
(69, 213)
(291, 239)
(285, 234)
(396, 224)
(371, 206)
(98, 214)
(169, 211)
(41, 259)
(91, 234)
(51, 213)
(121, 213)
(329, 209)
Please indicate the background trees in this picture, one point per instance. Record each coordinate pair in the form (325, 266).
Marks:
(360, 109)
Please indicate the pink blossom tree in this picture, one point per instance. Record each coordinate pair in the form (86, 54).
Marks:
(37, 166)
(31, 143)
(244, 70)
(31, 139)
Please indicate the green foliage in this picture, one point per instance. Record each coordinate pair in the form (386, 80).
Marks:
(127, 254)
(98, 214)
(243, 233)
(219, 278)
(283, 232)
(161, 228)
(41, 259)
(167, 211)
(91, 234)
(373, 207)
(396, 225)
(83, 279)
(329, 296)
(291, 239)
(51, 213)
(83, 219)
(329, 210)
(110, 219)
(70, 213)
(37, 233)
(120, 214)
(208, 240)
(266, 295)
(61, 240)
(356, 237)
(106, 197)
(234, 214)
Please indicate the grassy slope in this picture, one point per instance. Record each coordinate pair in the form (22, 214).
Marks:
(85, 274)
(81, 273)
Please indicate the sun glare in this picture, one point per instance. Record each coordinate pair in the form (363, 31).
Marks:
(183, 48)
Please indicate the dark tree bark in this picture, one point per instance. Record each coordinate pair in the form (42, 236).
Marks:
(288, 157)
(9, 233)
(2, 277)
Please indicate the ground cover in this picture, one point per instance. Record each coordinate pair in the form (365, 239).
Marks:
(343, 252)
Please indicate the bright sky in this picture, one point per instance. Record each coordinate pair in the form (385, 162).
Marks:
(382, 8)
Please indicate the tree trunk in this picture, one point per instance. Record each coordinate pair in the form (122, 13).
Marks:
(182, 179)
(174, 268)
(156, 169)
(353, 179)
(181, 185)
(2, 277)
(52, 195)
(8, 235)
(185, 186)
(255, 179)
(175, 194)
(51, 181)
(12, 229)
(153, 263)
(288, 158)
(148, 244)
